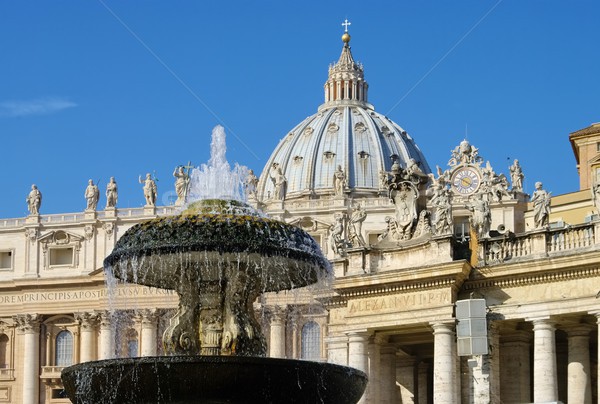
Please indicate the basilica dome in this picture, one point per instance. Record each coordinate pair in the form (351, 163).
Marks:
(345, 135)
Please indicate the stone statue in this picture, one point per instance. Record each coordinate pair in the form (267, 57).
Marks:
(465, 153)
(149, 189)
(596, 195)
(182, 182)
(500, 188)
(384, 180)
(443, 212)
(111, 194)
(481, 219)
(355, 229)
(280, 183)
(541, 206)
(34, 200)
(516, 176)
(336, 237)
(251, 183)
(340, 182)
(423, 225)
(92, 195)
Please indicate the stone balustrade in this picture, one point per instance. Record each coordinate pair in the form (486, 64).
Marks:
(81, 216)
(511, 247)
(51, 372)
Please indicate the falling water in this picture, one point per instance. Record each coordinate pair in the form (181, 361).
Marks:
(216, 180)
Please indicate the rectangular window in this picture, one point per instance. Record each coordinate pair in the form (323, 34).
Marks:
(598, 147)
(6, 260)
(61, 256)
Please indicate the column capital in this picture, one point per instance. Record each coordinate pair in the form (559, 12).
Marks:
(87, 319)
(28, 323)
(106, 318)
(579, 330)
(443, 327)
(146, 317)
(359, 336)
(542, 323)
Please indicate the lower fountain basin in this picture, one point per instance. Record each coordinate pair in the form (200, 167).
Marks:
(212, 379)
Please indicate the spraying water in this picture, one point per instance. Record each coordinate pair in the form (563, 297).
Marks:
(216, 180)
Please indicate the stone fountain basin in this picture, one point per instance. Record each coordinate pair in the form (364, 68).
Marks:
(212, 379)
(206, 247)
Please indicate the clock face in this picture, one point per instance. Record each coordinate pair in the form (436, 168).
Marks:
(465, 180)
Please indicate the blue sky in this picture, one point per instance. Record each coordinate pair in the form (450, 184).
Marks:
(93, 89)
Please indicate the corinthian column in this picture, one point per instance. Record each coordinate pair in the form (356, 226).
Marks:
(545, 380)
(87, 323)
(444, 364)
(107, 336)
(149, 322)
(29, 325)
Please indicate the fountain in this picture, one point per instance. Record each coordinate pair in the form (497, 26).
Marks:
(219, 255)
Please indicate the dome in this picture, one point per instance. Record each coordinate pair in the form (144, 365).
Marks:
(345, 135)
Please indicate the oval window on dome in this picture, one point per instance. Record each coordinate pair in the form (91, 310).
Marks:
(360, 127)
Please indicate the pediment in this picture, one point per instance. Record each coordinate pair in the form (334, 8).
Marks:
(310, 224)
(60, 237)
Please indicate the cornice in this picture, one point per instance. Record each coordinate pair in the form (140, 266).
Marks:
(528, 279)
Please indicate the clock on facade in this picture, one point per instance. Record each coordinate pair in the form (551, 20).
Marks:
(466, 180)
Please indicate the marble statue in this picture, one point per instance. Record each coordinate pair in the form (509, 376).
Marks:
(182, 183)
(336, 237)
(384, 180)
(423, 227)
(596, 195)
(541, 206)
(481, 219)
(355, 228)
(340, 182)
(280, 183)
(251, 183)
(92, 195)
(34, 200)
(112, 194)
(465, 153)
(516, 176)
(443, 212)
(500, 188)
(150, 191)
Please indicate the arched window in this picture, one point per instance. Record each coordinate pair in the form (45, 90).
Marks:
(131, 344)
(64, 349)
(3, 351)
(311, 341)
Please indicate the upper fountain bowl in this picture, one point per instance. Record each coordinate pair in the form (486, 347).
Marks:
(213, 233)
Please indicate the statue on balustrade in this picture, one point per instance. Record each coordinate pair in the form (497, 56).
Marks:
(34, 200)
(280, 183)
(516, 176)
(481, 219)
(337, 243)
(541, 206)
(182, 182)
(359, 215)
(111, 193)
(340, 182)
(92, 195)
(150, 191)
